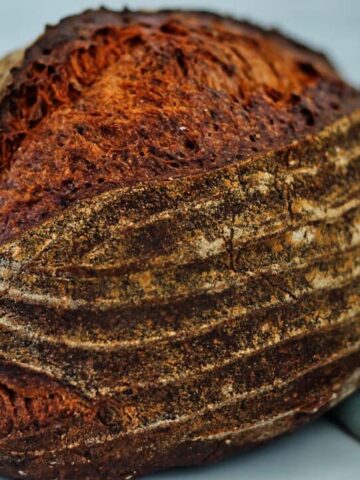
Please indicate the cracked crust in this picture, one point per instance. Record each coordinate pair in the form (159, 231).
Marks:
(173, 315)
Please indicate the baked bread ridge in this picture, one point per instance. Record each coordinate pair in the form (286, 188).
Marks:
(296, 323)
(175, 322)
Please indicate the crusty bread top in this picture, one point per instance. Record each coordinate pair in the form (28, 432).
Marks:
(107, 99)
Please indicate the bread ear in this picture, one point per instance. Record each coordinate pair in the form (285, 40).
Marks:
(6, 64)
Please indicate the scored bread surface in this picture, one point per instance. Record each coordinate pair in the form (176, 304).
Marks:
(180, 239)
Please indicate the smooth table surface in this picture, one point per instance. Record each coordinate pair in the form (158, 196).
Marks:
(320, 451)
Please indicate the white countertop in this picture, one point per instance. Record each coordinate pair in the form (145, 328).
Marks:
(317, 452)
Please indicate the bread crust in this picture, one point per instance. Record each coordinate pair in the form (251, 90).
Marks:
(109, 99)
(173, 320)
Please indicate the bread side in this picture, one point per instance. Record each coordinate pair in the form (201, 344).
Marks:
(181, 323)
(166, 323)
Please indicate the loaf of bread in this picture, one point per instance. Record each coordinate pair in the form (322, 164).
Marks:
(180, 243)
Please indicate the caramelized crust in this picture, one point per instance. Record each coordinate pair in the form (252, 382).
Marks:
(109, 99)
(212, 303)
(30, 402)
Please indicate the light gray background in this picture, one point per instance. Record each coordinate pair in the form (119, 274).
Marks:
(320, 451)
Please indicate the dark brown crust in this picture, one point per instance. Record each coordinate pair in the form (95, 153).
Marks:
(148, 324)
(190, 92)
